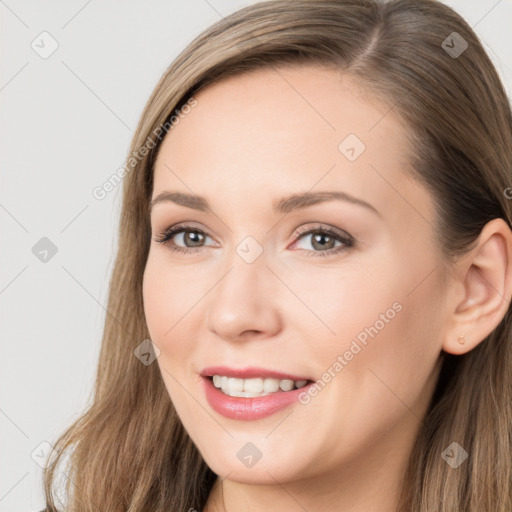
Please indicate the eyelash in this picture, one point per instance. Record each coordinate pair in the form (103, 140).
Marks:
(348, 241)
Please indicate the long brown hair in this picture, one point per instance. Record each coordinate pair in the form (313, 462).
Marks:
(129, 451)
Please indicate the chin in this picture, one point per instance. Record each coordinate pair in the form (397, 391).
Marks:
(263, 471)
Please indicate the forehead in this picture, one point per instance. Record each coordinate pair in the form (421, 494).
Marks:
(269, 132)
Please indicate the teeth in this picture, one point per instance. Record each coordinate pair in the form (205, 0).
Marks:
(254, 387)
(236, 384)
(286, 385)
(250, 385)
(270, 385)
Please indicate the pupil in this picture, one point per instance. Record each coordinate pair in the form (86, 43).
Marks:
(324, 244)
(192, 234)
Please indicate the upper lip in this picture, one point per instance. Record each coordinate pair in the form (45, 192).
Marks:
(249, 372)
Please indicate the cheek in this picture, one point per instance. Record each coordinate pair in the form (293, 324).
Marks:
(396, 363)
(340, 307)
(165, 307)
(166, 302)
(156, 299)
(374, 325)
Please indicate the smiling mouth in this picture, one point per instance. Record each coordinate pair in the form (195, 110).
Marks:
(255, 387)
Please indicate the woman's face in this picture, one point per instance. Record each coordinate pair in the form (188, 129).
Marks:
(358, 309)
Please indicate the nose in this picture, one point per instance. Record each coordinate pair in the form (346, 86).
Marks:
(245, 302)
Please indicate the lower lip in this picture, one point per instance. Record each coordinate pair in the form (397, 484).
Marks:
(240, 408)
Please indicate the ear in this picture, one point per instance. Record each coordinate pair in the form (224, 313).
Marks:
(482, 288)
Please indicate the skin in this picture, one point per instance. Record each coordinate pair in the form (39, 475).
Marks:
(251, 140)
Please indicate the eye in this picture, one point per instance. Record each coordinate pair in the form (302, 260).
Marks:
(324, 239)
(187, 234)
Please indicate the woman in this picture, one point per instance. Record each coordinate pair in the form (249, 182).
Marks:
(240, 372)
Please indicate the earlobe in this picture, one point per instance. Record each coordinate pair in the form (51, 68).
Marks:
(485, 284)
(462, 339)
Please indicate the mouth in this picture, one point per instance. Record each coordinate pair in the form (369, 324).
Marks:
(256, 386)
(252, 382)
(251, 393)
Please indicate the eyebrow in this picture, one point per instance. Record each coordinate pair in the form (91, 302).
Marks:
(284, 205)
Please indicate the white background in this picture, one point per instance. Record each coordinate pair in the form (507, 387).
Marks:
(67, 122)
